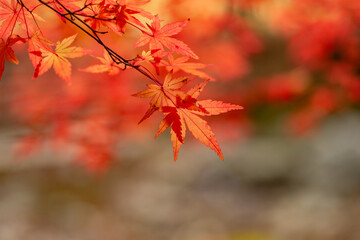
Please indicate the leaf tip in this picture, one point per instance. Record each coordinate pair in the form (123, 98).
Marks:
(175, 156)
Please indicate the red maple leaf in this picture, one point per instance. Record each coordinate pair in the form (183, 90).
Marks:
(160, 37)
(187, 111)
(9, 12)
(12, 13)
(182, 110)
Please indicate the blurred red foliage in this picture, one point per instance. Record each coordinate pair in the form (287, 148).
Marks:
(297, 60)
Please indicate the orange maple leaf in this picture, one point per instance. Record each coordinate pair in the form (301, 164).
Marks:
(182, 64)
(107, 66)
(165, 94)
(162, 95)
(160, 37)
(58, 58)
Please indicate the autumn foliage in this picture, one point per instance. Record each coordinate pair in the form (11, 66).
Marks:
(297, 61)
(80, 112)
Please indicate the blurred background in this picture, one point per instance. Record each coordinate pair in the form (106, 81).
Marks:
(74, 164)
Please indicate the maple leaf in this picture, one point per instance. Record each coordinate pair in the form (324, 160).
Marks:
(165, 94)
(116, 14)
(6, 52)
(200, 128)
(161, 37)
(107, 66)
(12, 13)
(126, 12)
(184, 115)
(58, 58)
(189, 109)
(8, 13)
(182, 110)
(162, 95)
(181, 63)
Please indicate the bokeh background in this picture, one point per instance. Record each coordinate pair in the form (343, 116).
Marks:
(292, 157)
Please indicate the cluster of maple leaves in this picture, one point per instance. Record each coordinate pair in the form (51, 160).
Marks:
(20, 24)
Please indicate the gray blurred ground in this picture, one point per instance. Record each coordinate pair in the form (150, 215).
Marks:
(268, 187)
